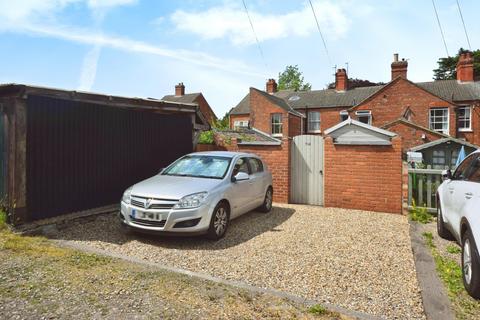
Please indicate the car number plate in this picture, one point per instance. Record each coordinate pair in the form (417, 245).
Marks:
(155, 216)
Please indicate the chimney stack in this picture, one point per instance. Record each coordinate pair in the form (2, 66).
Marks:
(465, 67)
(271, 86)
(179, 90)
(399, 68)
(341, 80)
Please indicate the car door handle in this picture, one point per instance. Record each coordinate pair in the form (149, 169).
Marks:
(468, 195)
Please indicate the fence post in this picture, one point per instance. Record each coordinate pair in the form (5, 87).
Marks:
(420, 190)
(429, 189)
(410, 191)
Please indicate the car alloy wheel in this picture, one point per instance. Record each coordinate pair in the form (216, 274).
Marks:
(220, 221)
(467, 261)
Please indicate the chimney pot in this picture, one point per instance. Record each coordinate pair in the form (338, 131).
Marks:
(341, 80)
(271, 86)
(465, 67)
(399, 68)
(179, 90)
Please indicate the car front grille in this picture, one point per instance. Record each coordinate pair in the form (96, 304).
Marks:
(148, 223)
(152, 203)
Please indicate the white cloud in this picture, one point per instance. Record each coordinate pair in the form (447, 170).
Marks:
(109, 3)
(95, 38)
(89, 68)
(18, 10)
(24, 9)
(230, 21)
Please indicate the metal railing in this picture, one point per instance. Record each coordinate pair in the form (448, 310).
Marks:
(422, 187)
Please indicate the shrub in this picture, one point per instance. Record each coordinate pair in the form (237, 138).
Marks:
(206, 137)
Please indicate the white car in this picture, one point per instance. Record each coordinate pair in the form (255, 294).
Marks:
(458, 203)
(199, 194)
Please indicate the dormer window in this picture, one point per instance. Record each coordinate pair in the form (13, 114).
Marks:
(364, 116)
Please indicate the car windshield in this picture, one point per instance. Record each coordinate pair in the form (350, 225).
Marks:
(201, 166)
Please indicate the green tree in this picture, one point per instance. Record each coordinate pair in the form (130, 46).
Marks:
(447, 66)
(292, 79)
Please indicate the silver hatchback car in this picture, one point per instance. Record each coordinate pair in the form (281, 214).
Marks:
(199, 194)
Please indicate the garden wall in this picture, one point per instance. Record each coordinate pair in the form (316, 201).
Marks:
(365, 177)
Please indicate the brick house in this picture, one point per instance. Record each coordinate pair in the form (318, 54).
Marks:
(196, 97)
(418, 112)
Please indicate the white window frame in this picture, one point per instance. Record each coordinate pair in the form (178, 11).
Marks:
(240, 124)
(278, 123)
(342, 114)
(364, 113)
(433, 121)
(464, 119)
(310, 120)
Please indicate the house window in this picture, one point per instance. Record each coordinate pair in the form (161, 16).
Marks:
(313, 121)
(364, 116)
(277, 125)
(238, 124)
(438, 159)
(343, 115)
(439, 120)
(464, 119)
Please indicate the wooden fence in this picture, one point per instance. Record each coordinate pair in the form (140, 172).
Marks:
(422, 188)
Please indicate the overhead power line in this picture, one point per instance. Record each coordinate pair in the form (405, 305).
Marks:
(320, 31)
(464, 27)
(440, 27)
(255, 34)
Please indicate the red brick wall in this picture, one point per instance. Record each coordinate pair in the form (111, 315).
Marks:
(201, 147)
(411, 135)
(206, 109)
(328, 117)
(277, 159)
(239, 117)
(363, 177)
(294, 125)
(390, 104)
(261, 110)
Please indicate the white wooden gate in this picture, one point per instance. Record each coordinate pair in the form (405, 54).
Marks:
(307, 170)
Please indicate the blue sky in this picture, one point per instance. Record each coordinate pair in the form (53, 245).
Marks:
(143, 48)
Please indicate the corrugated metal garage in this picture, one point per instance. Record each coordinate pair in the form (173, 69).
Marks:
(67, 151)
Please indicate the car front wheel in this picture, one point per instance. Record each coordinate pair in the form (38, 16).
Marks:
(442, 231)
(470, 265)
(219, 222)
(267, 202)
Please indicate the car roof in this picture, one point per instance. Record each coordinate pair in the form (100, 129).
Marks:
(228, 154)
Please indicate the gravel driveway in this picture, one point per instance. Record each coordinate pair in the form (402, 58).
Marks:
(355, 259)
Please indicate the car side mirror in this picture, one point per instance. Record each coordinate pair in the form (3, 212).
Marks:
(447, 174)
(241, 176)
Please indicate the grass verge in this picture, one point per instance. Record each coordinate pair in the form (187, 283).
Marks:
(464, 306)
(41, 280)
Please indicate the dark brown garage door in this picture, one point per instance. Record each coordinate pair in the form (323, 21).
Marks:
(82, 156)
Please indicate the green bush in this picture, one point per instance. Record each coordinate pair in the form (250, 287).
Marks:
(206, 137)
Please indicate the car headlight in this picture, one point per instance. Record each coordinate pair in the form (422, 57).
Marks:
(191, 201)
(126, 195)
